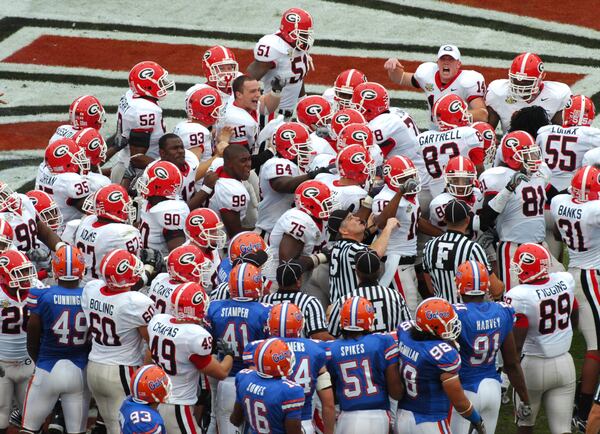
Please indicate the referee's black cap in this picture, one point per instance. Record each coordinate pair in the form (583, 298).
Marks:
(289, 273)
(456, 211)
(335, 220)
(367, 262)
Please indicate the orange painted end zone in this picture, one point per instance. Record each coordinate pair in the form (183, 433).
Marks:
(26, 135)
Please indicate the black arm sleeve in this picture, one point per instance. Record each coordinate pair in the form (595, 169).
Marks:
(261, 158)
(139, 139)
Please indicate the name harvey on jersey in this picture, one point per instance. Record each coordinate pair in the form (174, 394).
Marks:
(573, 213)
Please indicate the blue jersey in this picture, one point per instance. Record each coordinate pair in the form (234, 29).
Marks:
(310, 358)
(223, 270)
(267, 402)
(64, 327)
(357, 368)
(136, 418)
(422, 364)
(484, 328)
(239, 323)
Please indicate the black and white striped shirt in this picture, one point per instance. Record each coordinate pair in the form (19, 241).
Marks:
(390, 308)
(314, 314)
(342, 265)
(443, 255)
(221, 292)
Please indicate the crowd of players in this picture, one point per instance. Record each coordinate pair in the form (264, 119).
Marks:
(187, 286)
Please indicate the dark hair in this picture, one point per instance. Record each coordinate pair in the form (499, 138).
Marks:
(238, 83)
(529, 119)
(233, 151)
(162, 142)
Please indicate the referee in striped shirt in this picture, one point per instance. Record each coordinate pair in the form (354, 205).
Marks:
(442, 255)
(289, 280)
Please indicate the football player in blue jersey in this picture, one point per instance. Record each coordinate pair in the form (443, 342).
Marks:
(430, 365)
(364, 370)
(57, 342)
(266, 401)
(242, 244)
(150, 386)
(286, 322)
(237, 321)
(486, 328)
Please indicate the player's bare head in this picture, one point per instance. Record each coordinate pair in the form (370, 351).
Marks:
(368, 266)
(170, 148)
(529, 119)
(246, 91)
(237, 162)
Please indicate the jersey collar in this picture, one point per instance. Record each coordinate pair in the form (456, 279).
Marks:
(438, 80)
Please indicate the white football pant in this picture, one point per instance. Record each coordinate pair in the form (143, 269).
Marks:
(13, 385)
(406, 424)
(362, 422)
(403, 279)
(487, 403)
(224, 406)
(179, 419)
(587, 285)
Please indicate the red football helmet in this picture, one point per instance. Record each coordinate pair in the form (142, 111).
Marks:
(314, 110)
(87, 112)
(343, 87)
(357, 315)
(46, 208)
(220, 67)
(355, 134)
(345, 117)
(160, 179)
(245, 242)
(472, 278)
(314, 198)
(121, 269)
(285, 320)
(292, 141)
(188, 264)
(520, 150)
(451, 111)
(16, 270)
(490, 142)
(436, 316)
(189, 302)
(93, 144)
(245, 282)
(297, 29)
(460, 175)
(580, 111)
(397, 170)
(204, 105)
(371, 99)
(68, 263)
(65, 156)
(273, 358)
(204, 228)
(355, 162)
(525, 76)
(9, 200)
(112, 202)
(150, 384)
(149, 79)
(585, 185)
(531, 262)
(7, 235)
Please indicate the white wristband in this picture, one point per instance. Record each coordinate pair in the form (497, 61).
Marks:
(59, 245)
(367, 202)
(206, 189)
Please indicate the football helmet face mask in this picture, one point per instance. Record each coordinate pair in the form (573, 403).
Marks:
(273, 358)
(68, 263)
(188, 264)
(112, 202)
(189, 302)
(46, 208)
(525, 76)
(121, 269)
(345, 117)
(397, 170)
(531, 262)
(371, 99)
(160, 179)
(65, 156)
(355, 134)
(519, 150)
(220, 67)
(315, 198)
(490, 142)
(16, 271)
(204, 228)
(292, 141)
(150, 384)
(357, 315)
(437, 317)
(460, 175)
(204, 105)
(87, 112)
(580, 111)
(245, 282)
(244, 243)
(343, 87)
(472, 278)
(314, 110)
(9, 200)
(149, 79)
(585, 185)
(285, 320)
(451, 111)
(93, 144)
(355, 162)
(7, 235)
(297, 29)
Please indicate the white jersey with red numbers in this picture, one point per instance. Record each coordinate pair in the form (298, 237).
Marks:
(188, 175)
(467, 84)
(96, 239)
(345, 195)
(66, 131)
(68, 188)
(273, 204)
(522, 220)
(193, 135)
(439, 202)
(546, 310)
(44, 179)
(403, 240)
(320, 145)
(157, 220)
(231, 195)
(579, 226)
(437, 147)
(245, 126)
(269, 130)
(13, 339)
(287, 62)
(553, 97)
(96, 181)
(215, 261)
(140, 115)
(591, 157)
(113, 319)
(23, 225)
(194, 346)
(160, 292)
(564, 149)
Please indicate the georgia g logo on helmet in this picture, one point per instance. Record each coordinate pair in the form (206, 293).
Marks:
(368, 94)
(342, 119)
(488, 135)
(360, 136)
(115, 196)
(93, 109)
(358, 158)
(4, 261)
(187, 258)
(314, 109)
(310, 192)
(288, 134)
(146, 73)
(198, 298)
(161, 173)
(197, 220)
(208, 100)
(527, 258)
(34, 200)
(293, 18)
(122, 267)
(387, 169)
(569, 103)
(512, 142)
(94, 144)
(455, 106)
(61, 151)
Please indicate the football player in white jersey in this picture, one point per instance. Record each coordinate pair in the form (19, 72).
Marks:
(577, 217)
(17, 276)
(181, 330)
(220, 68)
(107, 227)
(525, 87)
(84, 112)
(162, 214)
(284, 55)
(340, 95)
(315, 112)
(139, 118)
(543, 304)
(360, 134)
(591, 158)
(117, 319)
(455, 137)
(6, 236)
(92, 143)
(442, 78)
(171, 149)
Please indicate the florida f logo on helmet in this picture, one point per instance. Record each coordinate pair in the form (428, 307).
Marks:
(368, 94)
(161, 173)
(146, 73)
(288, 134)
(293, 18)
(208, 100)
(115, 196)
(122, 267)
